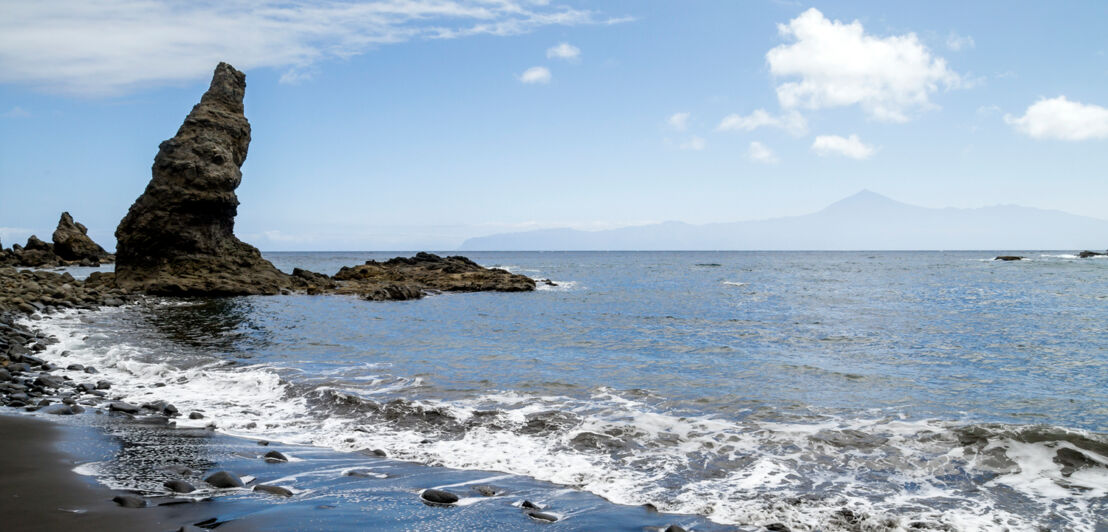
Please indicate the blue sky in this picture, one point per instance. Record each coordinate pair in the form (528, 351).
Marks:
(415, 124)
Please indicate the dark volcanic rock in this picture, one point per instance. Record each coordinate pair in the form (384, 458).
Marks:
(1008, 257)
(223, 479)
(120, 406)
(1090, 254)
(439, 496)
(408, 277)
(129, 501)
(275, 456)
(178, 237)
(71, 242)
(179, 486)
(274, 490)
(34, 243)
(542, 516)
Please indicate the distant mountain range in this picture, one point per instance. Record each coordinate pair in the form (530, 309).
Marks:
(864, 221)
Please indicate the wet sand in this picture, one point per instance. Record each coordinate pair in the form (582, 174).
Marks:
(39, 490)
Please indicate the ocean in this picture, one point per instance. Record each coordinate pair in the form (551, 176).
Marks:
(820, 390)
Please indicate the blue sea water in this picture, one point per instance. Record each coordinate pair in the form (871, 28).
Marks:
(916, 389)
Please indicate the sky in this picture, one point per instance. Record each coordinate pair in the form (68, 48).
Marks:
(414, 124)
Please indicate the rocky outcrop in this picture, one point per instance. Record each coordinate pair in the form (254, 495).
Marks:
(1008, 257)
(71, 246)
(178, 237)
(1090, 254)
(409, 278)
(72, 243)
(35, 254)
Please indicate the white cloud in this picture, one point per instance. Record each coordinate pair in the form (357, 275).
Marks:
(792, 121)
(957, 43)
(565, 51)
(851, 146)
(678, 121)
(840, 65)
(694, 144)
(113, 46)
(1061, 119)
(758, 152)
(535, 75)
(15, 112)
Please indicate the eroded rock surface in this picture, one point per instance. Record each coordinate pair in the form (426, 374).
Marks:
(178, 237)
(72, 243)
(71, 246)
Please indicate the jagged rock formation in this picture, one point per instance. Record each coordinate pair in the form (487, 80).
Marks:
(178, 237)
(410, 278)
(71, 246)
(71, 242)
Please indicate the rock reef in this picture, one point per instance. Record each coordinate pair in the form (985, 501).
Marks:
(409, 278)
(178, 237)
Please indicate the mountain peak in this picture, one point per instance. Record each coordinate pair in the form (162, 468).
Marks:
(864, 199)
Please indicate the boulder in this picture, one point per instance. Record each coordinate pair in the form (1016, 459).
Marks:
(273, 490)
(179, 486)
(129, 501)
(71, 242)
(223, 479)
(120, 406)
(275, 457)
(1008, 257)
(438, 496)
(178, 237)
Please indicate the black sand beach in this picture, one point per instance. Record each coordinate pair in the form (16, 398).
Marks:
(41, 492)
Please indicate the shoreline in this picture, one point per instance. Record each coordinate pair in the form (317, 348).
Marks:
(65, 471)
(42, 492)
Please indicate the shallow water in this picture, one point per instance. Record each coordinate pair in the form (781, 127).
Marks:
(922, 389)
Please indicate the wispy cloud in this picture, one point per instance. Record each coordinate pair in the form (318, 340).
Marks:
(957, 43)
(694, 144)
(15, 112)
(792, 121)
(678, 121)
(760, 153)
(113, 46)
(1061, 119)
(536, 74)
(564, 51)
(838, 64)
(851, 147)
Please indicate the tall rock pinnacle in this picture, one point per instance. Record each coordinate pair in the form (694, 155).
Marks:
(178, 237)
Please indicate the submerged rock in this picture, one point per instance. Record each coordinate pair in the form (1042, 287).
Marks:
(487, 491)
(178, 237)
(542, 516)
